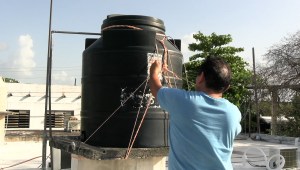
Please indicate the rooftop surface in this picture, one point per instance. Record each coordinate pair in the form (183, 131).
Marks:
(26, 155)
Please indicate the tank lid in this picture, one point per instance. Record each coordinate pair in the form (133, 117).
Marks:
(139, 21)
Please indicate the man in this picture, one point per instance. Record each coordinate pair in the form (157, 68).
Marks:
(203, 125)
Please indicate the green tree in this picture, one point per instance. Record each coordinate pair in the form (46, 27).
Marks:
(9, 80)
(217, 45)
(291, 112)
(283, 62)
(282, 70)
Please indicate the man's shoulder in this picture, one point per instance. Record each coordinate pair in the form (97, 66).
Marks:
(171, 90)
(170, 94)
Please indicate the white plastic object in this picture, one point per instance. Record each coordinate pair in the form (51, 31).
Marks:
(245, 158)
(277, 163)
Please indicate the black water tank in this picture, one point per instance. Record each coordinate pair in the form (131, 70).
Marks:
(114, 66)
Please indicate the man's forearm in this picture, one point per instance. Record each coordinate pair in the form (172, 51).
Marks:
(155, 84)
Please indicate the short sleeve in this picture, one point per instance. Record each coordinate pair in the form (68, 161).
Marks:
(169, 98)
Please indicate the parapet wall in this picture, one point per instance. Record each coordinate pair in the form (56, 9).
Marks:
(274, 139)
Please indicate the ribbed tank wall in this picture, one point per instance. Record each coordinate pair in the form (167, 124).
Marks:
(114, 66)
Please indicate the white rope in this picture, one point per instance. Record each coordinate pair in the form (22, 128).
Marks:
(115, 111)
(137, 131)
(186, 77)
(138, 113)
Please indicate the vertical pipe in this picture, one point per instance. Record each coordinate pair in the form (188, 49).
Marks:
(50, 110)
(274, 111)
(255, 93)
(44, 149)
(249, 125)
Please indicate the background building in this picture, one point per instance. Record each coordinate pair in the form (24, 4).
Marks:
(28, 101)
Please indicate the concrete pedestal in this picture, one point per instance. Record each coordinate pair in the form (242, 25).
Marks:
(84, 157)
(152, 163)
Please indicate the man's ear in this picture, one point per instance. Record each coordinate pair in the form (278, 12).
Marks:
(200, 78)
(227, 88)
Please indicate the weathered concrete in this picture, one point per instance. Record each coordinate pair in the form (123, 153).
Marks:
(150, 163)
(34, 135)
(85, 156)
(102, 153)
(15, 152)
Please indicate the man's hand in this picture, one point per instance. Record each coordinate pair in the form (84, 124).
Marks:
(155, 83)
(155, 68)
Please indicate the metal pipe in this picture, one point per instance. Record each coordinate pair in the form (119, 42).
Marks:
(44, 150)
(48, 88)
(72, 32)
(49, 110)
(255, 93)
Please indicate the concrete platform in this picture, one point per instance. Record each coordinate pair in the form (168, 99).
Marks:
(104, 153)
(82, 156)
(23, 155)
(25, 151)
(35, 135)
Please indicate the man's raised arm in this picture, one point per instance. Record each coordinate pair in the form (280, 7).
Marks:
(155, 83)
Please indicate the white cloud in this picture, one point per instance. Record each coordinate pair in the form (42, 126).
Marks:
(3, 46)
(24, 60)
(19, 64)
(185, 41)
(62, 77)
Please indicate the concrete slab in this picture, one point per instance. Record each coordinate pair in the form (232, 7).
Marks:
(104, 153)
(28, 154)
(21, 155)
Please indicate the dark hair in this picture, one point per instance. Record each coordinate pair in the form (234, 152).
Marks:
(217, 73)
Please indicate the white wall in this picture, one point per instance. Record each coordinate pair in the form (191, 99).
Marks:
(36, 102)
(3, 104)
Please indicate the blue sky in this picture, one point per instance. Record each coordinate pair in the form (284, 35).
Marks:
(24, 29)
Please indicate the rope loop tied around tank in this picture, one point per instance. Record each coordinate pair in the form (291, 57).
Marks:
(121, 26)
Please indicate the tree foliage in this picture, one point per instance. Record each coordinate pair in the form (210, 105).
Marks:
(217, 45)
(281, 73)
(294, 116)
(291, 111)
(9, 80)
(283, 62)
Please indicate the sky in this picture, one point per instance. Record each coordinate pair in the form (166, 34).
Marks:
(24, 26)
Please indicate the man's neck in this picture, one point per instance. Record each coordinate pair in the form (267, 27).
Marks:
(212, 93)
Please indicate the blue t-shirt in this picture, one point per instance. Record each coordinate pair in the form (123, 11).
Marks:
(202, 129)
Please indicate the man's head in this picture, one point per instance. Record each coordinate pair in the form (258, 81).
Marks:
(217, 74)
